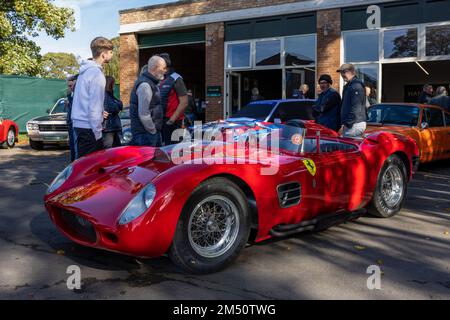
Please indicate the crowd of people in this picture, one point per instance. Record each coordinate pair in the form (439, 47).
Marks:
(438, 98)
(346, 113)
(159, 104)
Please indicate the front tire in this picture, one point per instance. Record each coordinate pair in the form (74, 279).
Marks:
(390, 191)
(213, 228)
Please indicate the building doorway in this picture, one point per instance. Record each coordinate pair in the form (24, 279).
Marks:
(188, 60)
(240, 86)
(403, 82)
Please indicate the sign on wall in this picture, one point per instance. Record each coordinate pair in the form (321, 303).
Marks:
(214, 91)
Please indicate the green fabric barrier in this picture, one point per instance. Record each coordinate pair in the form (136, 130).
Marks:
(23, 98)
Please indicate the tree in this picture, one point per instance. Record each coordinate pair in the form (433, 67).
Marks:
(112, 68)
(59, 65)
(21, 20)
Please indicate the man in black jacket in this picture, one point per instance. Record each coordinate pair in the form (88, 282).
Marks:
(328, 104)
(427, 94)
(353, 112)
(441, 98)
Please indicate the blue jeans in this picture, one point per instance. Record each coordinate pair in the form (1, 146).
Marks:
(71, 143)
(147, 139)
(356, 130)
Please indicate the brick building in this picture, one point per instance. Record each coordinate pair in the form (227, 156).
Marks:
(223, 49)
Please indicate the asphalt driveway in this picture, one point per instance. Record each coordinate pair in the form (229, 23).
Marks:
(411, 249)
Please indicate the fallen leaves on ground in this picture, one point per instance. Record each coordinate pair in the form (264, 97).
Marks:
(61, 252)
(359, 247)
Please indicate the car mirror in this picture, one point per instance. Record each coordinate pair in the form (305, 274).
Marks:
(277, 120)
(424, 125)
(48, 110)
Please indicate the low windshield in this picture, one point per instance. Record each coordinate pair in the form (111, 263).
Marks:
(393, 114)
(287, 137)
(258, 111)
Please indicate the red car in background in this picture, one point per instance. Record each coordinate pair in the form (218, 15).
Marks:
(9, 132)
(141, 202)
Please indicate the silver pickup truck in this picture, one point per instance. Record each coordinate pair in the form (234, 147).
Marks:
(51, 129)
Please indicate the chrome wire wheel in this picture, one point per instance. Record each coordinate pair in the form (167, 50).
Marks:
(213, 226)
(11, 138)
(392, 186)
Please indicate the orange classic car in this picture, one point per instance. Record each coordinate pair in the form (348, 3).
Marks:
(428, 125)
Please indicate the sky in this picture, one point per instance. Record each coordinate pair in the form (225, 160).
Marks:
(93, 18)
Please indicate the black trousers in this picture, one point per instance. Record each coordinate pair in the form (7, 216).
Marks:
(111, 139)
(168, 129)
(85, 142)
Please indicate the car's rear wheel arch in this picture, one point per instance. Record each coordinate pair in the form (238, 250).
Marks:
(391, 188)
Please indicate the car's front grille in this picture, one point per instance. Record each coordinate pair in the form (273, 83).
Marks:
(289, 194)
(77, 226)
(53, 127)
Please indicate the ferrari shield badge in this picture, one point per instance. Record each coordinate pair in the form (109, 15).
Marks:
(311, 166)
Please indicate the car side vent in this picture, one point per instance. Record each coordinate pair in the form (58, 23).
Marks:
(289, 194)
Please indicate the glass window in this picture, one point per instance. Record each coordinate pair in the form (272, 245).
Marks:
(433, 117)
(393, 114)
(438, 41)
(400, 43)
(268, 53)
(361, 46)
(368, 73)
(300, 51)
(238, 55)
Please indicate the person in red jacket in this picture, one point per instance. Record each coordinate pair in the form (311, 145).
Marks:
(174, 100)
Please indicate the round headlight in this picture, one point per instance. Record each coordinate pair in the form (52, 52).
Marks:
(60, 179)
(140, 203)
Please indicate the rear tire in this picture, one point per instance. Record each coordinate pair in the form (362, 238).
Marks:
(213, 228)
(36, 145)
(390, 191)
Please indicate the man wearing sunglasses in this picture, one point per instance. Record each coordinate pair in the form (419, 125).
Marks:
(328, 105)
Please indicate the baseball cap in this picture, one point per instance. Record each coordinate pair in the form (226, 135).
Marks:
(346, 67)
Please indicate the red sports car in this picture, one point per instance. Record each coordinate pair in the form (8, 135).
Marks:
(145, 202)
(9, 132)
